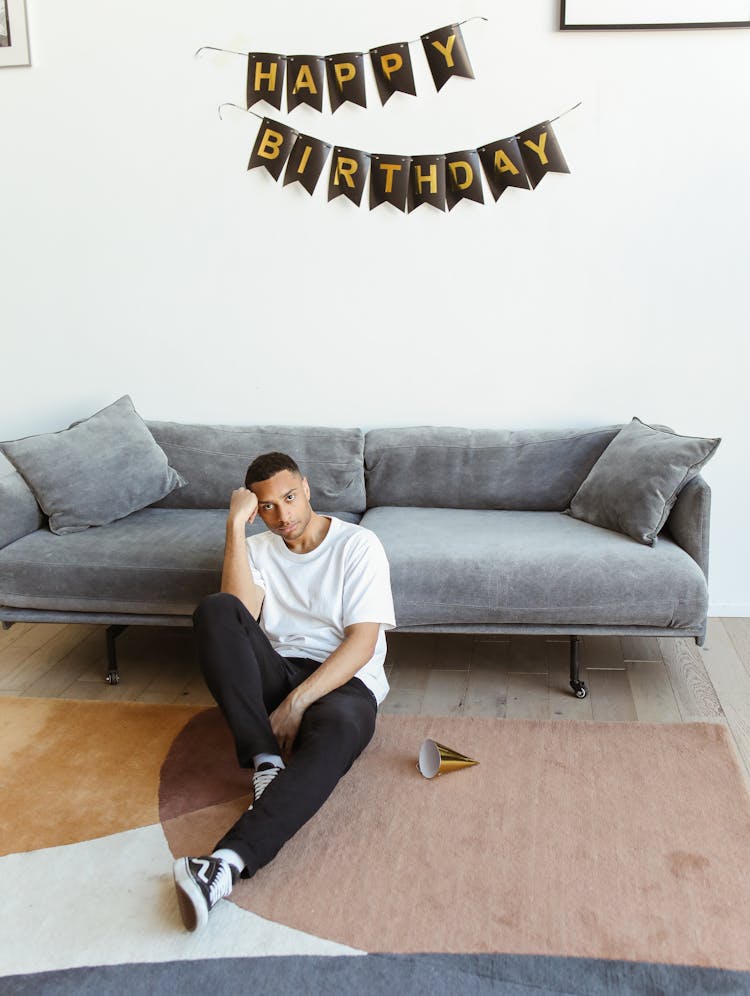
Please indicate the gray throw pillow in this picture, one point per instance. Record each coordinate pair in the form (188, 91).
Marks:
(635, 482)
(98, 470)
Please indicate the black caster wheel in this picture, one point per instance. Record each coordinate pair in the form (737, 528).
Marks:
(580, 689)
(113, 678)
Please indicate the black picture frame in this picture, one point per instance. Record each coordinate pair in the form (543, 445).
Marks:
(574, 16)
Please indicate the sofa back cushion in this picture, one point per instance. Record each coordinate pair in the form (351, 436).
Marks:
(214, 459)
(21, 514)
(532, 470)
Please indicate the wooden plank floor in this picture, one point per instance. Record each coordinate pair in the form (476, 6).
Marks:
(630, 679)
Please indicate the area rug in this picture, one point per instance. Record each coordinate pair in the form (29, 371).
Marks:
(575, 857)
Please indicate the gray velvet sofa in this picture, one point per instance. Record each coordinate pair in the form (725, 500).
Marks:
(474, 524)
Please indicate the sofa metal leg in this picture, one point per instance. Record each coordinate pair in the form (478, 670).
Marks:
(578, 686)
(111, 634)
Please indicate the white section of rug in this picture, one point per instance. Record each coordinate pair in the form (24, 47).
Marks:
(111, 901)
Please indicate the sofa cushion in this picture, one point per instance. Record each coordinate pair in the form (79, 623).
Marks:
(635, 482)
(153, 561)
(214, 459)
(97, 471)
(157, 560)
(20, 510)
(432, 467)
(460, 566)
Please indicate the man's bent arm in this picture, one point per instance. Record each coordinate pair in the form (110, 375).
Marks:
(236, 576)
(354, 651)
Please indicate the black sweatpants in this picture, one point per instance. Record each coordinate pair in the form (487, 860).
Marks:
(249, 680)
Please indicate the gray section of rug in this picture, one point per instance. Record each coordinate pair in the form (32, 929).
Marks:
(436, 974)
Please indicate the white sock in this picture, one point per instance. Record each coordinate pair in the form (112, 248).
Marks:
(232, 857)
(270, 758)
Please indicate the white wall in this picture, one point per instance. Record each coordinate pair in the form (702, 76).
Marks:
(138, 256)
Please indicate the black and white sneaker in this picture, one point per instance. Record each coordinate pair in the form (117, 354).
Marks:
(264, 775)
(200, 884)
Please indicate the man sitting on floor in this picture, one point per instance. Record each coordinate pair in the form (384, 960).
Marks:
(292, 649)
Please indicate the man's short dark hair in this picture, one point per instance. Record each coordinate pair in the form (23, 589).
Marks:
(268, 464)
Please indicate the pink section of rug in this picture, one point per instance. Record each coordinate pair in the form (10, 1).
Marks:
(601, 840)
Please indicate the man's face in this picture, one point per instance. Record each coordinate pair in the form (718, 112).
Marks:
(284, 504)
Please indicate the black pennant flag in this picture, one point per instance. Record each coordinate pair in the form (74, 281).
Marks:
(541, 152)
(427, 182)
(503, 166)
(348, 174)
(305, 81)
(463, 177)
(446, 53)
(272, 146)
(306, 162)
(346, 79)
(265, 78)
(389, 180)
(391, 65)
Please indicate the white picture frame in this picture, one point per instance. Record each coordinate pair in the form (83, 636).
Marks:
(14, 34)
(623, 14)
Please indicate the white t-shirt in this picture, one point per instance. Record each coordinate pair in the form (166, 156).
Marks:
(310, 598)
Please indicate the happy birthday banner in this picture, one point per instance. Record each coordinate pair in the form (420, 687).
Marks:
(307, 75)
(406, 182)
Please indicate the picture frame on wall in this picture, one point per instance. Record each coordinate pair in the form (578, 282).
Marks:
(623, 14)
(14, 34)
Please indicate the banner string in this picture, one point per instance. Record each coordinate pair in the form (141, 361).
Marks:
(562, 115)
(411, 41)
(262, 117)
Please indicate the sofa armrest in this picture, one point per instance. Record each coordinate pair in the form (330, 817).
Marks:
(19, 512)
(688, 522)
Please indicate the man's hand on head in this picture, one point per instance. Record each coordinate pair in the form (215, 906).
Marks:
(243, 506)
(236, 573)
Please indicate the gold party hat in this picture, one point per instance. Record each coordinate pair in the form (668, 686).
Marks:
(435, 759)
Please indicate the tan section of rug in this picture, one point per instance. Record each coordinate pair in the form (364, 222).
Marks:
(73, 771)
(569, 838)
(196, 833)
